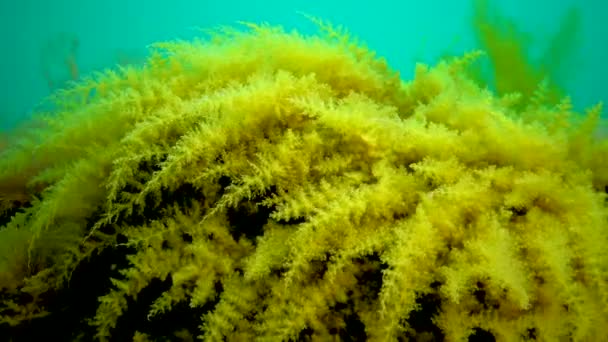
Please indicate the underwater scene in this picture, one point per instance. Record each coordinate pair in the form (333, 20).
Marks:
(304, 171)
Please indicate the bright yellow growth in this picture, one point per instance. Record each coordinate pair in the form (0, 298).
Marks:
(295, 187)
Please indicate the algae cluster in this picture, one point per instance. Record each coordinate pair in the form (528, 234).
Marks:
(264, 185)
(513, 68)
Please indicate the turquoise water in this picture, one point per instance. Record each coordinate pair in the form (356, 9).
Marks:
(46, 43)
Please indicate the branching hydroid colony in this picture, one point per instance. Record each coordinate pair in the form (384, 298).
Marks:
(285, 187)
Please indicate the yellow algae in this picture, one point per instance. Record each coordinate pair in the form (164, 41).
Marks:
(265, 185)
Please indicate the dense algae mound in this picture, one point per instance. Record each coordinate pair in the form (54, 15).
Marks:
(262, 185)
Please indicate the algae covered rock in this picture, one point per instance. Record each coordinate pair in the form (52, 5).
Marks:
(265, 185)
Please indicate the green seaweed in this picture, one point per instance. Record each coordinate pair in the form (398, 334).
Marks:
(512, 67)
